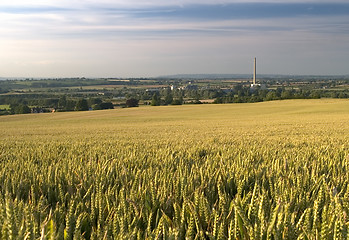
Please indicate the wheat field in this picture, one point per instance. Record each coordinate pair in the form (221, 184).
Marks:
(271, 170)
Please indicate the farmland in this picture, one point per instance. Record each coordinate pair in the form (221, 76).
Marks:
(269, 170)
(78, 94)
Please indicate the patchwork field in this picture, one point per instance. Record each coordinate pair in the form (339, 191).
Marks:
(271, 170)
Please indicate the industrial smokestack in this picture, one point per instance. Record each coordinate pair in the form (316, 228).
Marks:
(254, 71)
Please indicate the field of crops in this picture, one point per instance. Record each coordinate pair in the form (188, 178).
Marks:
(272, 170)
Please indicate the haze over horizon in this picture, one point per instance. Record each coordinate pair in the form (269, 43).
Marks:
(133, 38)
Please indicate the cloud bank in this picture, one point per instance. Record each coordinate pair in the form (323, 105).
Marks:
(134, 38)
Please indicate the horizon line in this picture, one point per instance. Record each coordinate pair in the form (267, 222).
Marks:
(180, 75)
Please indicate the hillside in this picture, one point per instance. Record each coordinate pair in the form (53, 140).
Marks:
(273, 169)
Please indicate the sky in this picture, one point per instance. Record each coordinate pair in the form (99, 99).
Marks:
(149, 38)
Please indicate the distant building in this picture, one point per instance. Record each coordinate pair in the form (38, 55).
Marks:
(258, 86)
(152, 90)
(37, 110)
(191, 87)
(254, 84)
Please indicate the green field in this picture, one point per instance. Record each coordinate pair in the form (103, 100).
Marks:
(5, 107)
(271, 170)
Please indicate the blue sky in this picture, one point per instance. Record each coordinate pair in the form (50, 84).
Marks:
(130, 38)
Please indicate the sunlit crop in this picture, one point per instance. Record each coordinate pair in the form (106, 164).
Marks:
(276, 170)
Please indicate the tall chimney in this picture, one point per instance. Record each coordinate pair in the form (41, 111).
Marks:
(255, 71)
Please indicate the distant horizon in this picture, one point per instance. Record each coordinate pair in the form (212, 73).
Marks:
(186, 75)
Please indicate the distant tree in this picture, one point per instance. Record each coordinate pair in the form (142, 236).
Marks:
(286, 94)
(93, 101)
(132, 102)
(241, 93)
(96, 107)
(22, 109)
(271, 96)
(342, 95)
(315, 94)
(334, 95)
(62, 102)
(51, 102)
(103, 105)
(262, 93)
(156, 100)
(279, 91)
(106, 105)
(255, 98)
(239, 100)
(168, 98)
(70, 105)
(238, 88)
(81, 105)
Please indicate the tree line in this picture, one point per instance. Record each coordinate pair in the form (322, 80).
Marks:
(242, 94)
(21, 105)
(36, 102)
